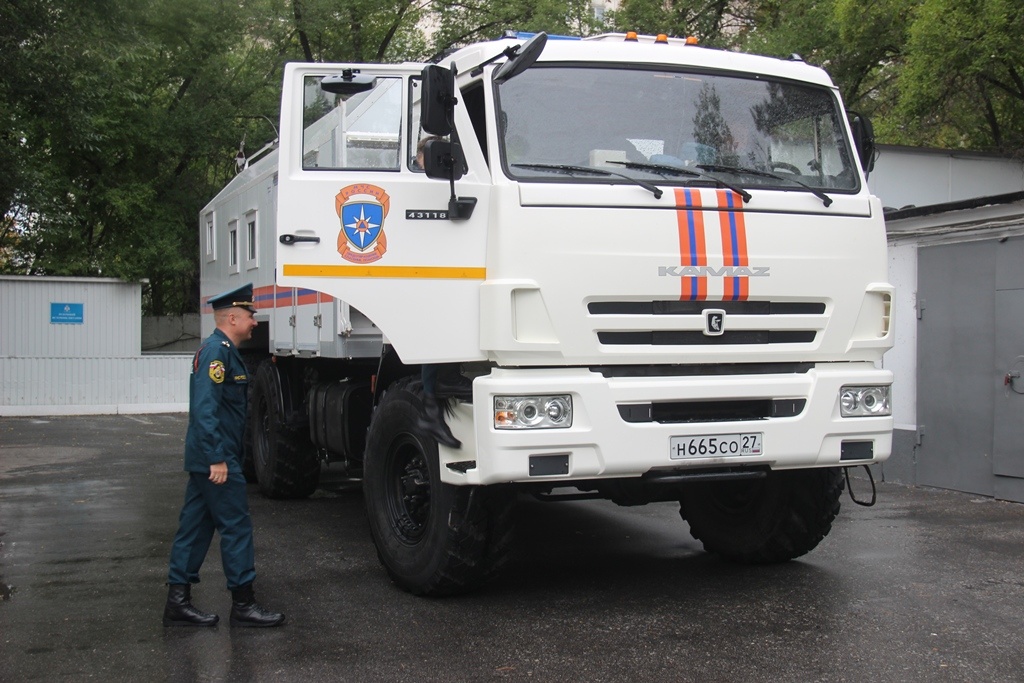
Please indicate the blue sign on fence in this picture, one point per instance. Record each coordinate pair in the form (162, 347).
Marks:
(67, 314)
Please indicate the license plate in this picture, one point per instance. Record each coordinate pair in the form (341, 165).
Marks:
(714, 446)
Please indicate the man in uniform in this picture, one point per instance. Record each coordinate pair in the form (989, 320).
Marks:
(215, 494)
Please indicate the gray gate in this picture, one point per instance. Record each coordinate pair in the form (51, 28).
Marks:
(1008, 436)
(970, 336)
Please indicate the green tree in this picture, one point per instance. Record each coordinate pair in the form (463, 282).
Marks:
(356, 30)
(459, 23)
(125, 117)
(939, 73)
(859, 43)
(713, 22)
(963, 81)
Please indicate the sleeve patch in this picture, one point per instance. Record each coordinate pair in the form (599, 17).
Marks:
(217, 371)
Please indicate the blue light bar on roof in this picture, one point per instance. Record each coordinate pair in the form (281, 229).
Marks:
(523, 35)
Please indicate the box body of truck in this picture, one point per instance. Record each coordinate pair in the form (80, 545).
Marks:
(667, 282)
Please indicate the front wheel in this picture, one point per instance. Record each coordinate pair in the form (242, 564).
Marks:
(767, 520)
(432, 538)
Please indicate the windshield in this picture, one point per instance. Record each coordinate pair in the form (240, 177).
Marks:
(646, 123)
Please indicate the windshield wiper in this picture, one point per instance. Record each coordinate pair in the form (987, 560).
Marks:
(664, 169)
(825, 199)
(574, 170)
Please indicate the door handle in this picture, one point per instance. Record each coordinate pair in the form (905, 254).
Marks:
(292, 239)
(1012, 378)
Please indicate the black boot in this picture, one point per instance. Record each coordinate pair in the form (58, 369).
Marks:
(431, 420)
(453, 384)
(245, 611)
(179, 610)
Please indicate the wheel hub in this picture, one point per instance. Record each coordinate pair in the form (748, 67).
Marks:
(409, 496)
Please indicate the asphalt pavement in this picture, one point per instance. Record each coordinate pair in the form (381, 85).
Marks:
(928, 585)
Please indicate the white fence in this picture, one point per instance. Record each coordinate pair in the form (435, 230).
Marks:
(94, 386)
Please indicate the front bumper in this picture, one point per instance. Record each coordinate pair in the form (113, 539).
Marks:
(602, 444)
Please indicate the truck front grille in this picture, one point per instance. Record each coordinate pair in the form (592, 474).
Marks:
(674, 338)
(619, 323)
(697, 308)
(675, 412)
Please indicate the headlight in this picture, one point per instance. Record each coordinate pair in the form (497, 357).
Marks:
(532, 412)
(864, 402)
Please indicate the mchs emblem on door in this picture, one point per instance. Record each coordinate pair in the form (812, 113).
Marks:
(362, 209)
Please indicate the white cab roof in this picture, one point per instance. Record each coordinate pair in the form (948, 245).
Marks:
(610, 49)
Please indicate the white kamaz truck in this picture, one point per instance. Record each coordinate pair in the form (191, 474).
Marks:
(656, 268)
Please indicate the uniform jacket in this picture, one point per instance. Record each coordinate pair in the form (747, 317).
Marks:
(218, 397)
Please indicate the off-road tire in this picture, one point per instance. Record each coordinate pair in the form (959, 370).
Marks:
(285, 459)
(764, 521)
(252, 364)
(432, 538)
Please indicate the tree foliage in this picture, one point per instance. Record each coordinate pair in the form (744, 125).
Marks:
(121, 118)
(963, 78)
(941, 73)
(459, 23)
(858, 43)
(714, 22)
(359, 31)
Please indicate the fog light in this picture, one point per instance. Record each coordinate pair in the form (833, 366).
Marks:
(532, 412)
(865, 401)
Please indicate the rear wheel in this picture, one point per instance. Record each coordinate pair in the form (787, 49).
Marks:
(284, 457)
(252, 364)
(432, 538)
(762, 521)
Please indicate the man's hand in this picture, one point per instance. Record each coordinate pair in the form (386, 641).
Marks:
(219, 472)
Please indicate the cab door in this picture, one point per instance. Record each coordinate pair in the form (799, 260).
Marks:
(360, 222)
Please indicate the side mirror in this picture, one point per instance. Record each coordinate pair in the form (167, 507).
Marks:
(349, 82)
(522, 58)
(443, 160)
(437, 103)
(863, 139)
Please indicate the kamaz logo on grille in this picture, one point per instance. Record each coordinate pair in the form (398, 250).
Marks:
(711, 271)
(714, 322)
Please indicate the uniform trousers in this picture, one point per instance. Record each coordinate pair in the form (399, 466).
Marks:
(209, 507)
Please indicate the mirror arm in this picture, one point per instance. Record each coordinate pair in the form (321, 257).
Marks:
(511, 51)
(459, 208)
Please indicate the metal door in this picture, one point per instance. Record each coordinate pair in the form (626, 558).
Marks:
(1008, 371)
(955, 358)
